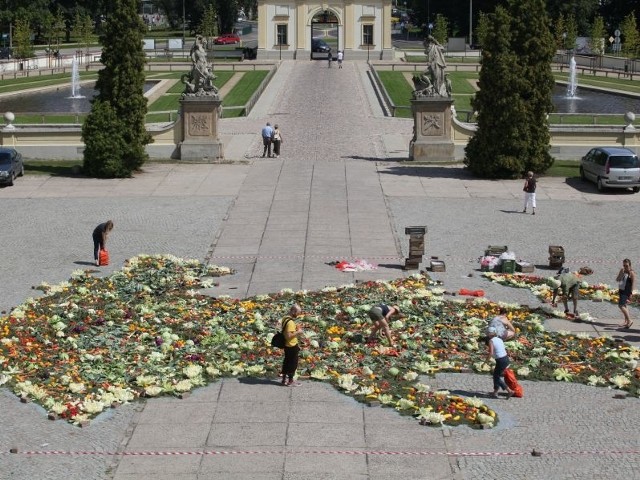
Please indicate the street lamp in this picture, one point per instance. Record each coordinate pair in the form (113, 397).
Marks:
(470, 22)
(184, 36)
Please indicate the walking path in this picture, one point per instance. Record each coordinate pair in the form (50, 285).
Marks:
(335, 193)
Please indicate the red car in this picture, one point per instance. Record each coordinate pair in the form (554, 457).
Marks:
(227, 39)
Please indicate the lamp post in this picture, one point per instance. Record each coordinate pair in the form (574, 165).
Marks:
(470, 22)
(184, 35)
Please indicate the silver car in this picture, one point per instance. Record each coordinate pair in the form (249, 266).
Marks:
(11, 166)
(611, 167)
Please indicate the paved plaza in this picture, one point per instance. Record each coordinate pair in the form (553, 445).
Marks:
(340, 190)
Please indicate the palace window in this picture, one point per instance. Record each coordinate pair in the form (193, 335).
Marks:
(367, 34)
(281, 34)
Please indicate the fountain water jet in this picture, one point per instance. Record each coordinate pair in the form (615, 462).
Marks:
(75, 80)
(573, 82)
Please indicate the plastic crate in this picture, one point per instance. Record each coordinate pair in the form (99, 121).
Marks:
(508, 266)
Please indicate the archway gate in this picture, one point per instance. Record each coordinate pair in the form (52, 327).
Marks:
(362, 29)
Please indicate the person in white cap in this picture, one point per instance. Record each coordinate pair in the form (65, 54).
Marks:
(498, 352)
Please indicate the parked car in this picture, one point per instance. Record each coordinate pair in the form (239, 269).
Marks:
(11, 165)
(318, 45)
(611, 167)
(227, 39)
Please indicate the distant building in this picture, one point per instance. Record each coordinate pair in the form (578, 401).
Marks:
(361, 29)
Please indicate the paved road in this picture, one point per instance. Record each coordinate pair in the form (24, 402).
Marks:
(336, 192)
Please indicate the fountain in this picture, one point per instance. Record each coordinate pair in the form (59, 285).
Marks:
(75, 80)
(573, 83)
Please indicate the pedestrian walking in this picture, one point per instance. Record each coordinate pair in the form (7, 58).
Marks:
(340, 57)
(329, 57)
(529, 193)
(277, 141)
(498, 352)
(381, 315)
(267, 139)
(626, 283)
(291, 332)
(100, 234)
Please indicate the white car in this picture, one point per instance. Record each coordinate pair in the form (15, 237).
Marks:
(611, 167)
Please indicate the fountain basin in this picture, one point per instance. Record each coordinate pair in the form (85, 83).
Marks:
(55, 100)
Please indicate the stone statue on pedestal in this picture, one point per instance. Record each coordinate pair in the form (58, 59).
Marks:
(199, 81)
(433, 82)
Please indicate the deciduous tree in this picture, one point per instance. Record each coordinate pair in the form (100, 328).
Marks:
(597, 35)
(629, 30)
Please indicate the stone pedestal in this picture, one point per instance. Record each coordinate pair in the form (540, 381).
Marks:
(200, 141)
(432, 138)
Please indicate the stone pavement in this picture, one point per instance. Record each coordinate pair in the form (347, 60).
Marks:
(337, 192)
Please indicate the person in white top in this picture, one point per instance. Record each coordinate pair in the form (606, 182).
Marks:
(497, 351)
(340, 57)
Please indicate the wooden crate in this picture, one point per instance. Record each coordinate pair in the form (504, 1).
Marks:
(524, 267)
(495, 250)
(438, 266)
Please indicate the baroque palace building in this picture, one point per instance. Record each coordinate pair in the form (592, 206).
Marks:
(361, 29)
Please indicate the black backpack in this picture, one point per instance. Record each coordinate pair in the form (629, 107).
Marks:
(278, 339)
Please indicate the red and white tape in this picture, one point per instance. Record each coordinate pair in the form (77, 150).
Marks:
(322, 452)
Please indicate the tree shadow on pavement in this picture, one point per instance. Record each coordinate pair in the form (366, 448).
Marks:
(64, 169)
(458, 172)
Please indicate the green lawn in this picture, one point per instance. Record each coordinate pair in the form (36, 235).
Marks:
(399, 91)
(564, 168)
(242, 91)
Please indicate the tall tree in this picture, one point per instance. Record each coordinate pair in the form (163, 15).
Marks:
(515, 93)
(597, 35)
(441, 29)
(630, 34)
(208, 27)
(120, 106)
(572, 32)
(83, 29)
(534, 48)
(22, 39)
(560, 32)
(492, 152)
(227, 14)
(582, 10)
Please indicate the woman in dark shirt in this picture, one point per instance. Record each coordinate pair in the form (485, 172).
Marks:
(100, 234)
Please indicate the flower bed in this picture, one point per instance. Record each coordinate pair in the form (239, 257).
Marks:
(542, 287)
(91, 343)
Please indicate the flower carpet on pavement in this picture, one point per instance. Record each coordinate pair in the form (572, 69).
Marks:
(542, 287)
(92, 343)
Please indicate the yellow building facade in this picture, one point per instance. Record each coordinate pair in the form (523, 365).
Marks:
(360, 29)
